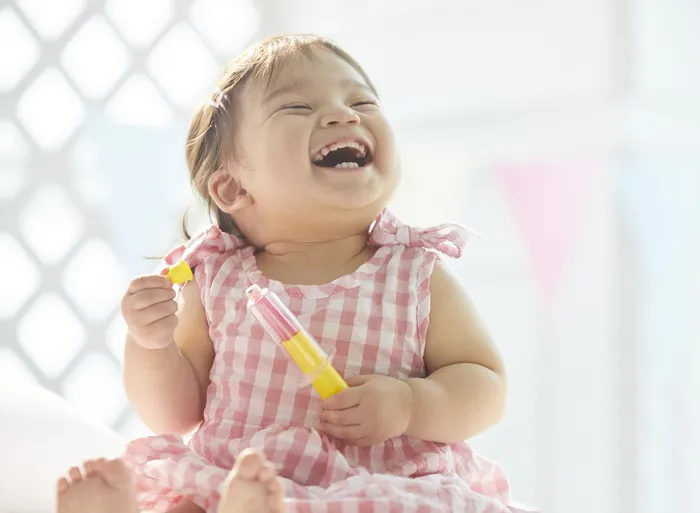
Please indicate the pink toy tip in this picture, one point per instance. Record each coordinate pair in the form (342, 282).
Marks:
(254, 292)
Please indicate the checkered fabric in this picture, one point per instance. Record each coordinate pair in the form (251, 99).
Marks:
(375, 320)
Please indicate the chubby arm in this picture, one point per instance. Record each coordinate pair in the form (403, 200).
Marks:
(465, 391)
(167, 386)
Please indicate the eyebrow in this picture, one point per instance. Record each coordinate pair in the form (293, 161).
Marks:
(352, 83)
(347, 83)
(285, 89)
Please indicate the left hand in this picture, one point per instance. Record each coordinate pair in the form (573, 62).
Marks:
(374, 409)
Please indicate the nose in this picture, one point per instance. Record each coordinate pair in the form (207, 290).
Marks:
(340, 116)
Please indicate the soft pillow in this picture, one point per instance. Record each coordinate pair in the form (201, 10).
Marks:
(41, 436)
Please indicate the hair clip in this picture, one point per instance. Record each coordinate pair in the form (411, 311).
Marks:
(218, 98)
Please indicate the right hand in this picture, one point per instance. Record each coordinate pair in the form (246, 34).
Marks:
(149, 307)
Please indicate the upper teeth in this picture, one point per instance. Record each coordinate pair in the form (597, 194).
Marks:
(347, 144)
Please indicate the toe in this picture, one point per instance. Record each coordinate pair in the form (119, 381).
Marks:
(75, 474)
(90, 468)
(276, 508)
(116, 474)
(99, 465)
(267, 473)
(275, 499)
(62, 485)
(249, 464)
(275, 487)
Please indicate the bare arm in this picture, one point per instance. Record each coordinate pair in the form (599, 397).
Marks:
(167, 386)
(465, 391)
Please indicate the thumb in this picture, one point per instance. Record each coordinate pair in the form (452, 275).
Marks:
(356, 381)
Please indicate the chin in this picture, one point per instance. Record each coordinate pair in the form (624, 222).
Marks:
(359, 209)
(349, 200)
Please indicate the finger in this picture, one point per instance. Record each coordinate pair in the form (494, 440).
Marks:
(356, 381)
(348, 398)
(149, 281)
(348, 417)
(149, 297)
(164, 271)
(155, 313)
(342, 432)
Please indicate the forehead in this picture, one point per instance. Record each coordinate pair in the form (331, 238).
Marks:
(317, 63)
(317, 67)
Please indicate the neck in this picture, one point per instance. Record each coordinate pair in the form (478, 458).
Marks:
(316, 262)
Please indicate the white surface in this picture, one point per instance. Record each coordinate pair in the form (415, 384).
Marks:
(40, 437)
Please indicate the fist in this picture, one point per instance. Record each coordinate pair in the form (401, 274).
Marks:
(149, 307)
(374, 409)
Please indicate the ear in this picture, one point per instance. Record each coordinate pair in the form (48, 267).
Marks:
(227, 193)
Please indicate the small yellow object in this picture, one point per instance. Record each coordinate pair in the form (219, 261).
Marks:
(329, 382)
(180, 273)
(315, 365)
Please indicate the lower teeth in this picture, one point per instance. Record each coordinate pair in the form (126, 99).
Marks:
(347, 165)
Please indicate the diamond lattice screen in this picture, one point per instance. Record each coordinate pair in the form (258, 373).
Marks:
(62, 64)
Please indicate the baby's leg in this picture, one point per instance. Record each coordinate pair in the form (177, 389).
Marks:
(252, 486)
(104, 486)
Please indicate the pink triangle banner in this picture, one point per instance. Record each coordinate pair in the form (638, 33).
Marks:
(548, 201)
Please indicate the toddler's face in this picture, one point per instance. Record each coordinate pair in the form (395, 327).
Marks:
(314, 142)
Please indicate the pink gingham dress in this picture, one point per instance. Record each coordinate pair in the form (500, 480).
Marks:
(376, 320)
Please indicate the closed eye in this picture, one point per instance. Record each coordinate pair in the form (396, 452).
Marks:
(295, 107)
(364, 102)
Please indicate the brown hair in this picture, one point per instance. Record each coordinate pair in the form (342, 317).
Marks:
(211, 131)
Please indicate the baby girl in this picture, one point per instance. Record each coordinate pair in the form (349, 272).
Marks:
(297, 163)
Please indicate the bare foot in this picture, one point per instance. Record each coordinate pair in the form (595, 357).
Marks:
(104, 486)
(252, 486)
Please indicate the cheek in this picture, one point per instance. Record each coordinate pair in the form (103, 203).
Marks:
(281, 163)
(288, 142)
(383, 132)
(388, 134)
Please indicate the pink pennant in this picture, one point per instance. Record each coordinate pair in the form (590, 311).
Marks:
(548, 200)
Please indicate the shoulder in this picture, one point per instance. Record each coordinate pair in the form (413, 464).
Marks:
(208, 252)
(210, 243)
(456, 333)
(447, 294)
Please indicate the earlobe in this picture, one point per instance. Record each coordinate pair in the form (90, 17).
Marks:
(227, 193)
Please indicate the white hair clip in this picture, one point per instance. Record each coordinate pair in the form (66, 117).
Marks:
(218, 98)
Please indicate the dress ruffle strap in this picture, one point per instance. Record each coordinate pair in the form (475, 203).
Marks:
(449, 239)
(210, 241)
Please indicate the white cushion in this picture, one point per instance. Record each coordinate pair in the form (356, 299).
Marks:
(41, 436)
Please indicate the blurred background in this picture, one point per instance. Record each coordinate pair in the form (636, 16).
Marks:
(566, 132)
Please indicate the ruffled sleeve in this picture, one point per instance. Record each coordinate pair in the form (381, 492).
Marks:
(209, 242)
(449, 239)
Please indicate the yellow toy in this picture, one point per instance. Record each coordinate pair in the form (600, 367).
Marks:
(180, 273)
(279, 322)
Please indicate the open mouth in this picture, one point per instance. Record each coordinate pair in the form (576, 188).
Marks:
(344, 155)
